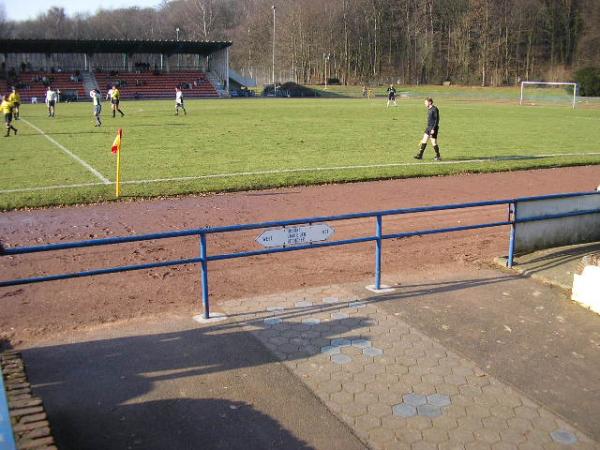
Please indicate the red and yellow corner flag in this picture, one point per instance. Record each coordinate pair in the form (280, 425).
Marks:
(116, 148)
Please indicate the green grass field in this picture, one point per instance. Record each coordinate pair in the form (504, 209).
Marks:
(224, 145)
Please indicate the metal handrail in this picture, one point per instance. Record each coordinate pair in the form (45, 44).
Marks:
(378, 238)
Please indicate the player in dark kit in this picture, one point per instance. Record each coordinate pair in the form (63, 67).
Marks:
(431, 132)
(391, 95)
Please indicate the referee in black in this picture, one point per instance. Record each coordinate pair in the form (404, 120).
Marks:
(431, 132)
(391, 91)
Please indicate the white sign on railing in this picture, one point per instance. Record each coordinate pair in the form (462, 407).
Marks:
(295, 235)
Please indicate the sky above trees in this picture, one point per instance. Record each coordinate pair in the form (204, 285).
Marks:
(33, 8)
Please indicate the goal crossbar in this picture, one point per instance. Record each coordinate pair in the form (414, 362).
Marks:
(550, 83)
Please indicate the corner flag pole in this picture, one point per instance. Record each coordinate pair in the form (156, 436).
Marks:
(116, 148)
(118, 189)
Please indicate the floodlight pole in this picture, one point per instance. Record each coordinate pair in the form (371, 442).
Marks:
(178, 55)
(327, 57)
(273, 72)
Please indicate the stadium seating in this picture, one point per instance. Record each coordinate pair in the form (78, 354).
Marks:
(133, 85)
(147, 85)
(34, 84)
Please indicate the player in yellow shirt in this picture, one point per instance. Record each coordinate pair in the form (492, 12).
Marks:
(115, 98)
(7, 109)
(15, 99)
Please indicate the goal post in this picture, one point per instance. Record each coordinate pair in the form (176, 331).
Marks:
(547, 91)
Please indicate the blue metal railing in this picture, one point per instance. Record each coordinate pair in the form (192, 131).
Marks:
(6, 434)
(7, 439)
(378, 238)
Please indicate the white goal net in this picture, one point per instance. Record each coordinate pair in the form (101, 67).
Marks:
(541, 92)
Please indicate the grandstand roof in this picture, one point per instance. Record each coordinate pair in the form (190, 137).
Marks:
(110, 46)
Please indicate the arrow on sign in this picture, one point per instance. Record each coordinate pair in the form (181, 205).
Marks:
(295, 235)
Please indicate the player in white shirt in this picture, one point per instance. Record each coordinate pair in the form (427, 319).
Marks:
(51, 100)
(179, 101)
(97, 100)
(109, 94)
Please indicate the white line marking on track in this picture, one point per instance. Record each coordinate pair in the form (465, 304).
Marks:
(307, 169)
(71, 154)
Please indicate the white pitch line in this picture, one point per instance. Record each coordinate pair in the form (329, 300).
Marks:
(71, 154)
(307, 169)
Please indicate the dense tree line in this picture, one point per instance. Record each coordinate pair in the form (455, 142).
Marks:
(484, 42)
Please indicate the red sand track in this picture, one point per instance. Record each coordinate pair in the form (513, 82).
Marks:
(31, 311)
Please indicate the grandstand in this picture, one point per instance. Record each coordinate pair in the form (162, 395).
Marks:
(141, 69)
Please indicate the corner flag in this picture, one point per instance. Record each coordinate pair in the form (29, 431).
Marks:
(116, 147)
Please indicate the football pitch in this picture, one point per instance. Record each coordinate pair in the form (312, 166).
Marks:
(239, 144)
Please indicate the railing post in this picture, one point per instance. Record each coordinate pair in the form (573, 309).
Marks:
(512, 212)
(7, 437)
(378, 253)
(204, 272)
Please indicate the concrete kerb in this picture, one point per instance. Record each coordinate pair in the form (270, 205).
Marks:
(501, 262)
(553, 266)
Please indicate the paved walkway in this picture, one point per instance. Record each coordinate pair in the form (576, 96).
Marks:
(464, 359)
(394, 386)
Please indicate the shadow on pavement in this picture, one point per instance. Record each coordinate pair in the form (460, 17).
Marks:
(203, 388)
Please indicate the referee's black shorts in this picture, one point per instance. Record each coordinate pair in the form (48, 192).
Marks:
(434, 135)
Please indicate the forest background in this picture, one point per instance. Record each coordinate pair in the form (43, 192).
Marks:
(471, 42)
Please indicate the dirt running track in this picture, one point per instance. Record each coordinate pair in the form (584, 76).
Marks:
(30, 312)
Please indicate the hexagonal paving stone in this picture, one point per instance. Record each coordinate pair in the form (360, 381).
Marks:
(341, 359)
(330, 350)
(361, 343)
(372, 352)
(563, 437)
(379, 409)
(438, 400)
(414, 399)
(357, 305)
(353, 387)
(428, 410)
(367, 422)
(303, 304)
(341, 342)
(275, 308)
(342, 398)
(272, 321)
(339, 316)
(311, 321)
(404, 410)
(330, 300)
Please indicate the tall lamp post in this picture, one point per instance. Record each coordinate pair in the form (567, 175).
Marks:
(178, 55)
(273, 73)
(326, 58)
